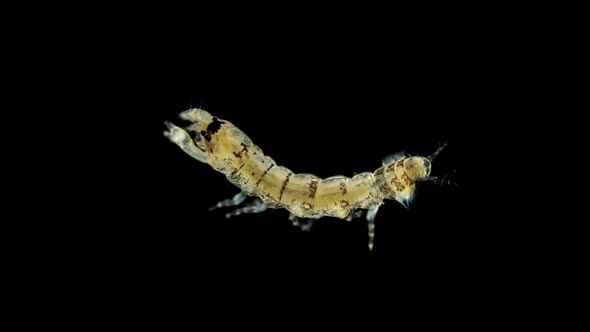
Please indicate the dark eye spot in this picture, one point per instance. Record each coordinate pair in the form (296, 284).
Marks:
(206, 135)
(214, 126)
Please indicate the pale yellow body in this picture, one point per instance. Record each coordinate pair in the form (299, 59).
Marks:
(305, 195)
(228, 150)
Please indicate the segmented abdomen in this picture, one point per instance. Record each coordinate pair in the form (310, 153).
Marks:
(305, 195)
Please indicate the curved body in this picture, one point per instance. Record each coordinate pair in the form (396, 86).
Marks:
(230, 151)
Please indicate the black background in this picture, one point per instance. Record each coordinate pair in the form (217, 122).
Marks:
(95, 195)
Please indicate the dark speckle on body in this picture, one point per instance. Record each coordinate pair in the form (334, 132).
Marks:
(313, 187)
(284, 186)
(206, 135)
(214, 126)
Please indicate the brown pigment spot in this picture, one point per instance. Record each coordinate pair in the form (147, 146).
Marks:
(245, 149)
(237, 170)
(398, 185)
(343, 188)
(284, 186)
(307, 205)
(386, 190)
(344, 204)
(313, 187)
(263, 174)
(407, 179)
(400, 163)
(206, 135)
(381, 184)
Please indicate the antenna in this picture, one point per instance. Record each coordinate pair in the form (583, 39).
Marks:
(440, 148)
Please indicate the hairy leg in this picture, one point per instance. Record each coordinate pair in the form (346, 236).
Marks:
(234, 201)
(354, 215)
(304, 225)
(256, 207)
(371, 214)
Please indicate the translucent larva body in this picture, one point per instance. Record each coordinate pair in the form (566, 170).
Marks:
(230, 151)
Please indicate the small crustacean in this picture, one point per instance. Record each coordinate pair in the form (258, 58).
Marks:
(228, 150)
